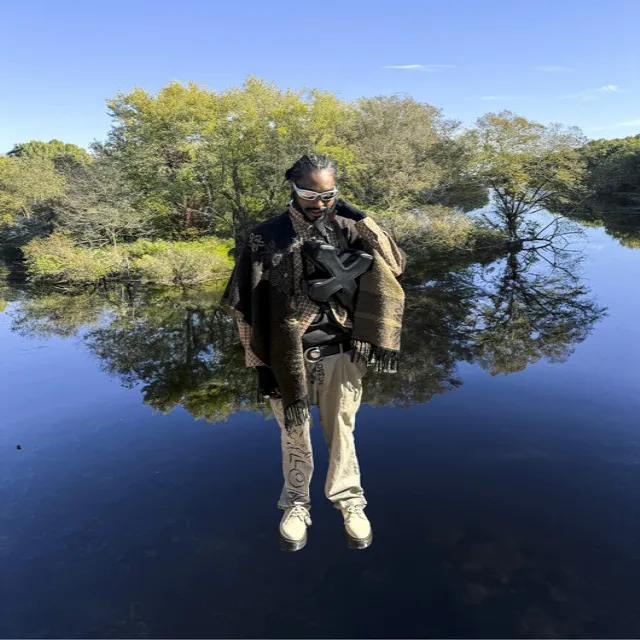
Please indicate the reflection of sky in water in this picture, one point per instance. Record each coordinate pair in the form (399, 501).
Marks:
(507, 506)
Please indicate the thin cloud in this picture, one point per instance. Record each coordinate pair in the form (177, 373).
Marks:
(629, 123)
(610, 87)
(403, 66)
(420, 67)
(555, 68)
(487, 98)
(593, 94)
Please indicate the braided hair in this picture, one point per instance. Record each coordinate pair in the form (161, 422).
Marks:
(308, 164)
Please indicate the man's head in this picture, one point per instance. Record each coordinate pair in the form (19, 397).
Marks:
(313, 186)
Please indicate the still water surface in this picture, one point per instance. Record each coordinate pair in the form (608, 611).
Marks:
(502, 468)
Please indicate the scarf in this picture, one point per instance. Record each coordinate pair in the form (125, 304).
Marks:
(264, 290)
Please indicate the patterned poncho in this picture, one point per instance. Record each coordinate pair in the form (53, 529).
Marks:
(264, 295)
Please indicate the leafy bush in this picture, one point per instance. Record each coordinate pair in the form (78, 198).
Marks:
(58, 259)
(145, 247)
(186, 263)
(436, 228)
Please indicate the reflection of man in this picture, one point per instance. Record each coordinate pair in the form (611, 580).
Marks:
(316, 298)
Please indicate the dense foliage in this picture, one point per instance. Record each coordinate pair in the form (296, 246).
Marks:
(613, 166)
(58, 259)
(190, 163)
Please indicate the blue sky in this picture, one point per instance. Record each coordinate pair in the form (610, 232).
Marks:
(553, 61)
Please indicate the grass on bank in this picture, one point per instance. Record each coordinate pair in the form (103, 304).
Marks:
(430, 235)
(57, 259)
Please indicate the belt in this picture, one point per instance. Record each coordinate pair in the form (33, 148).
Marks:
(313, 354)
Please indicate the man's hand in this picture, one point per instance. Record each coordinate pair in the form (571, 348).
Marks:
(347, 210)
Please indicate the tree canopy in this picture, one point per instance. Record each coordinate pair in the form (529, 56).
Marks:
(189, 161)
(27, 187)
(53, 150)
(613, 165)
(528, 166)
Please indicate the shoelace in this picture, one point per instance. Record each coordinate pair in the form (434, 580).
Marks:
(302, 514)
(356, 510)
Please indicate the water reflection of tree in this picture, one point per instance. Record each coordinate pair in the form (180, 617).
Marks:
(177, 345)
(182, 350)
(532, 308)
(434, 340)
(181, 355)
(621, 220)
(46, 315)
(504, 317)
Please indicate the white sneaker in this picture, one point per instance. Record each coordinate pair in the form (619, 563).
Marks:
(357, 527)
(293, 528)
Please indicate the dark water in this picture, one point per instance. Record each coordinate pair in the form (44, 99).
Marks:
(502, 467)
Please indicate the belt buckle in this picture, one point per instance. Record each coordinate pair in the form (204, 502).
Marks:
(313, 354)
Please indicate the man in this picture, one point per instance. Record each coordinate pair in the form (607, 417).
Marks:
(316, 299)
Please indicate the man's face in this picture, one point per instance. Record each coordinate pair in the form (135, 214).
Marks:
(318, 181)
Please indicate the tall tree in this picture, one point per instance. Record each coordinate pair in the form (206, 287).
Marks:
(59, 152)
(154, 141)
(393, 141)
(613, 166)
(243, 157)
(528, 167)
(216, 161)
(97, 206)
(28, 186)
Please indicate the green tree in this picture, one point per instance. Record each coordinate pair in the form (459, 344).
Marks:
(460, 186)
(393, 141)
(47, 314)
(60, 153)
(263, 130)
(175, 344)
(613, 166)
(527, 166)
(434, 340)
(153, 141)
(181, 349)
(216, 161)
(28, 186)
(619, 220)
(97, 206)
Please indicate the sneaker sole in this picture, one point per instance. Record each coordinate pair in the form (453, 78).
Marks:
(358, 543)
(291, 546)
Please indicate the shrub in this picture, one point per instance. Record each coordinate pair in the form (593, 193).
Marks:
(438, 229)
(58, 259)
(186, 263)
(141, 248)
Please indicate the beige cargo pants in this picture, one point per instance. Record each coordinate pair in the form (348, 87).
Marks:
(335, 386)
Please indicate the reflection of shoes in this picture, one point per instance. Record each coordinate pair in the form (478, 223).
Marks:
(293, 528)
(357, 527)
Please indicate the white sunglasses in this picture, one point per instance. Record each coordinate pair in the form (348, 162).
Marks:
(325, 196)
